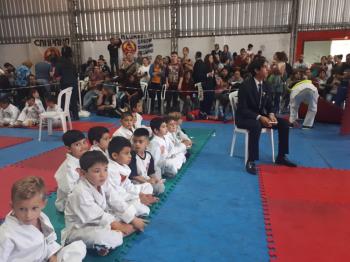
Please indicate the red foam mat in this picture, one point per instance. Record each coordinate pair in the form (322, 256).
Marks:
(83, 126)
(50, 160)
(10, 174)
(7, 141)
(307, 213)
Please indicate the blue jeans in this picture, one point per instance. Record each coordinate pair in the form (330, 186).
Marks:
(89, 98)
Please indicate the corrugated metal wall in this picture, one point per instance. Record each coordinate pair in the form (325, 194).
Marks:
(21, 20)
(100, 19)
(217, 17)
(324, 14)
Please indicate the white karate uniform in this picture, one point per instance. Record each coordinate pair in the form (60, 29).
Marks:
(57, 121)
(181, 135)
(9, 115)
(87, 219)
(124, 132)
(67, 177)
(306, 92)
(25, 243)
(97, 148)
(166, 163)
(30, 114)
(118, 178)
(138, 124)
(139, 119)
(179, 147)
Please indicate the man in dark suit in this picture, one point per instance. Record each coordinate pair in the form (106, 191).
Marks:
(255, 111)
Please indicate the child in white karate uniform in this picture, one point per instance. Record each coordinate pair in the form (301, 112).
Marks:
(53, 107)
(27, 233)
(99, 138)
(161, 149)
(142, 163)
(140, 196)
(67, 175)
(30, 113)
(180, 134)
(127, 126)
(136, 109)
(8, 112)
(86, 213)
(34, 92)
(179, 147)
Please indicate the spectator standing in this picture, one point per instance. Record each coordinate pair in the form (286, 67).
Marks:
(174, 78)
(113, 49)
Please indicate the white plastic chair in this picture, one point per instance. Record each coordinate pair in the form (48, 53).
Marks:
(50, 116)
(162, 97)
(233, 97)
(145, 98)
(82, 84)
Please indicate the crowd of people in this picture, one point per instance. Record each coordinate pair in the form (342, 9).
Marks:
(197, 88)
(106, 185)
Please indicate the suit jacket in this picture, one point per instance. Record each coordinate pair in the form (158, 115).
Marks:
(249, 105)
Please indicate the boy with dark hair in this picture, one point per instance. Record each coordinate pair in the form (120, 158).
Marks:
(127, 128)
(53, 107)
(142, 163)
(99, 139)
(139, 196)
(30, 113)
(136, 109)
(8, 112)
(67, 175)
(27, 233)
(160, 146)
(87, 213)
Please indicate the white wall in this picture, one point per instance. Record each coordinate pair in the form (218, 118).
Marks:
(314, 50)
(270, 43)
(340, 47)
(14, 54)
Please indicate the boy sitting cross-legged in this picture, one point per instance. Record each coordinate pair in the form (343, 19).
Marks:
(140, 196)
(142, 163)
(165, 161)
(67, 175)
(27, 233)
(87, 212)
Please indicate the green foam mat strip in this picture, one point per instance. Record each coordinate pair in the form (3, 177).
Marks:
(199, 136)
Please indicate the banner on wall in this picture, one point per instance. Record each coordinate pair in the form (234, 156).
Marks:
(43, 48)
(137, 44)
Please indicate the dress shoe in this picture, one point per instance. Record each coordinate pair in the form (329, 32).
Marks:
(251, 168)
(306, 127)
(284, 162)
